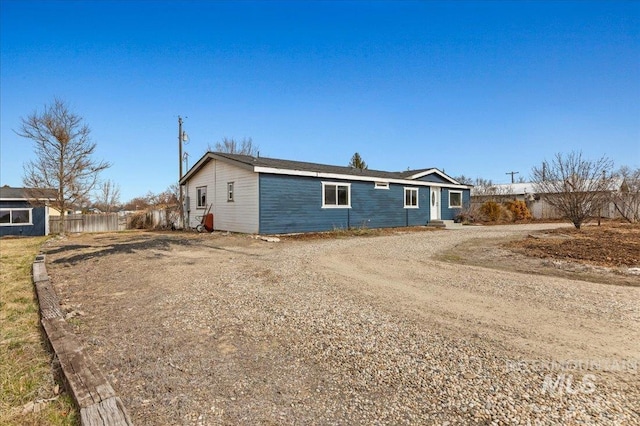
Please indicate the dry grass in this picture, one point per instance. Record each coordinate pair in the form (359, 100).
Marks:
(360, 231)
(29, 392)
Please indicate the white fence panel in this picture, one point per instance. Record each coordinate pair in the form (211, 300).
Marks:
(76, 223)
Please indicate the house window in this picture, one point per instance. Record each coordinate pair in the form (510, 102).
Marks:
(201, 195)
(381, 185)
(455, 199)
(229, 191)
(15, 217)
(411, 198)
(336, 195)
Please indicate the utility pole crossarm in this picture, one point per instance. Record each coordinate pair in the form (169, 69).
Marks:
(512, 174)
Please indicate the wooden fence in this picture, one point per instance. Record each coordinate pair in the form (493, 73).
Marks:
(540, 209)
(88, 223)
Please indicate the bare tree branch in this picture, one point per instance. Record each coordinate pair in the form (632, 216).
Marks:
(576, 187)
(63, 155)
(231, 146)
(627, 199)
(108, 196)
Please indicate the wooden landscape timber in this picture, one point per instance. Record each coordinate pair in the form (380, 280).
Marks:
(98, 403)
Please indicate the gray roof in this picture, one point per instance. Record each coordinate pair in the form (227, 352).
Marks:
(307, 167)
(10, 193)
(311, 167)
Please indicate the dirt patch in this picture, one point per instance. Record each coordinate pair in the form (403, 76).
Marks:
(608, 254)
(613, 245)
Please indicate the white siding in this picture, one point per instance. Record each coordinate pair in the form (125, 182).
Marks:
(241, 215)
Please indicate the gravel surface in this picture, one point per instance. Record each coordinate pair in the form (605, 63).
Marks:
(226, 329)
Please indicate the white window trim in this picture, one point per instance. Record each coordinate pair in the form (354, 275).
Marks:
(11, 210)
(336, 206)
(198, 205)
(455, 192)
(231, 191)
(417, 190)
(381, 185)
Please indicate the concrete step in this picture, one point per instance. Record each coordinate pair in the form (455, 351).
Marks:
(437, 224)
(447, 224)
(450, 224)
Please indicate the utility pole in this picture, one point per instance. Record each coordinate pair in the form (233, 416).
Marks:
(181, 138)
(512, 173)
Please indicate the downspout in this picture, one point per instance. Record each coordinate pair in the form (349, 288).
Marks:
(46, 218)
(215, 191)
(186, 207)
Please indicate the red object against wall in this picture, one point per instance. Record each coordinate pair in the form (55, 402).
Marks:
(208, 222)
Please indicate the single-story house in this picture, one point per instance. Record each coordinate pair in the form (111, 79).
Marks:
(271, 196)
(24, 211)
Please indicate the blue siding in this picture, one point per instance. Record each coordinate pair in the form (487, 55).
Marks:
(38, 219)
(294, 204)
(450, 214)
(433, 178)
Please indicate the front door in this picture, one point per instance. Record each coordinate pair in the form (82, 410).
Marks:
(435, 203)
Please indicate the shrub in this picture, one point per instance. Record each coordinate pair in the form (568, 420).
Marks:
(137, 221)
(466, 215)
(505, 214)
(490, 211)
(519, 210)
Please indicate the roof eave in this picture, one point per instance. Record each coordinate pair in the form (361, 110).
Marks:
(326, 175)
(208, 157)
(434, 171)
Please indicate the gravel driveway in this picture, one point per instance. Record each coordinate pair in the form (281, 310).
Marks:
(226, 329)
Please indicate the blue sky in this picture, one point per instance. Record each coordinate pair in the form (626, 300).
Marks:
(474, 88)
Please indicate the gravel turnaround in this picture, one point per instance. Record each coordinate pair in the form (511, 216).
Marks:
(206, 330)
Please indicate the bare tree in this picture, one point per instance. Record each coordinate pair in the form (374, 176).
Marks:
(576, 187)
(465, 180)
(173, 192)
(486, 188)
(108, 196)
(627, 198)
(357, 162)
(137, 203)
(231, 146)
(64, 153)
(168, 197)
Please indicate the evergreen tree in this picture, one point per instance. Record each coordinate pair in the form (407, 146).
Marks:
(357, 162)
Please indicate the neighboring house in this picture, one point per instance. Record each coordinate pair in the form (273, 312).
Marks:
(537, 204)
(270, 196)
(22, 213)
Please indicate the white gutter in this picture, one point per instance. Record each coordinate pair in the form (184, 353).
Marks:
(270, 170)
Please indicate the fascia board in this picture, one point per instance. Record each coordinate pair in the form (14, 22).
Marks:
(271, 170)
(436, 171)
(208, 157)
(196, 167)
